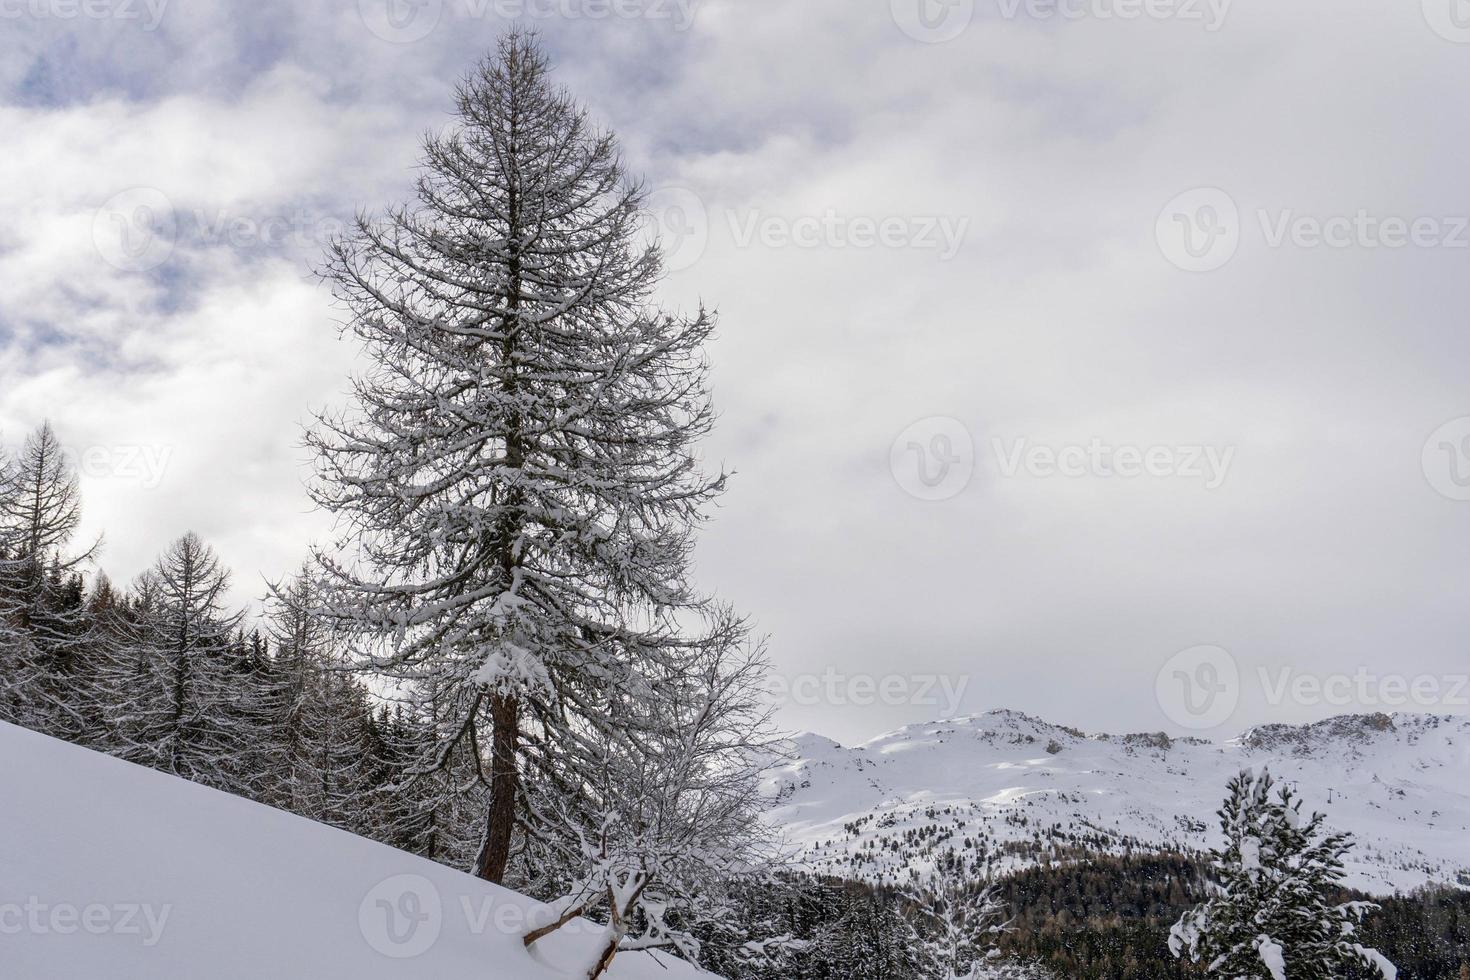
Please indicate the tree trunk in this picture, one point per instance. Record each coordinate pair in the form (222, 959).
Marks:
(500, 818)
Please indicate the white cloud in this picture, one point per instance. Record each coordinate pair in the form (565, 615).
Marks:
(1060, 320)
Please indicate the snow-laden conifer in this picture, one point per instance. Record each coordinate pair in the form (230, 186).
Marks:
(47, 671)
(320, 716)
(517, 482)
(183, 674)
(1275, 916)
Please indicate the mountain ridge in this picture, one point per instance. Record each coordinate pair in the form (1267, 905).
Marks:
(1003, 790)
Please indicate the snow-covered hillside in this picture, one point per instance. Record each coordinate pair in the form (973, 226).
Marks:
(1012, 788)
(110, 870)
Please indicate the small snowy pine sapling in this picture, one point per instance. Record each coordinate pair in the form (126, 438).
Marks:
(961, 924)
(1274, 916)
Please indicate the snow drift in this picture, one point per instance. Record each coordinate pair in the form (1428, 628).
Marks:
(111, 870)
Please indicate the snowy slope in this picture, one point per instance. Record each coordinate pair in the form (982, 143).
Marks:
(1016, 788)
(110, 870)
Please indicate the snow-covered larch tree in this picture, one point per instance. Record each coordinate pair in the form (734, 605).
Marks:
(1274, 916)
(180, 687)
(318, 713)
(516, 482)
(45, 679)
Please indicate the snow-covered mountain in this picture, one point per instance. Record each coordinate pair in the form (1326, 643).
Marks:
(1006, 790)
(111, 870)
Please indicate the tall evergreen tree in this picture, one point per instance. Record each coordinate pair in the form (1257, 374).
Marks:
(46, 681)
(517, 484)
(182, 686)
(1274, 916)
(871, 941)
(321, 717)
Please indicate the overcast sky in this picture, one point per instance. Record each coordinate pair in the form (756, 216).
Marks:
(1057, 342)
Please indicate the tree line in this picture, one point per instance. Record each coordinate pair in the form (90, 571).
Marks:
(164, 673)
